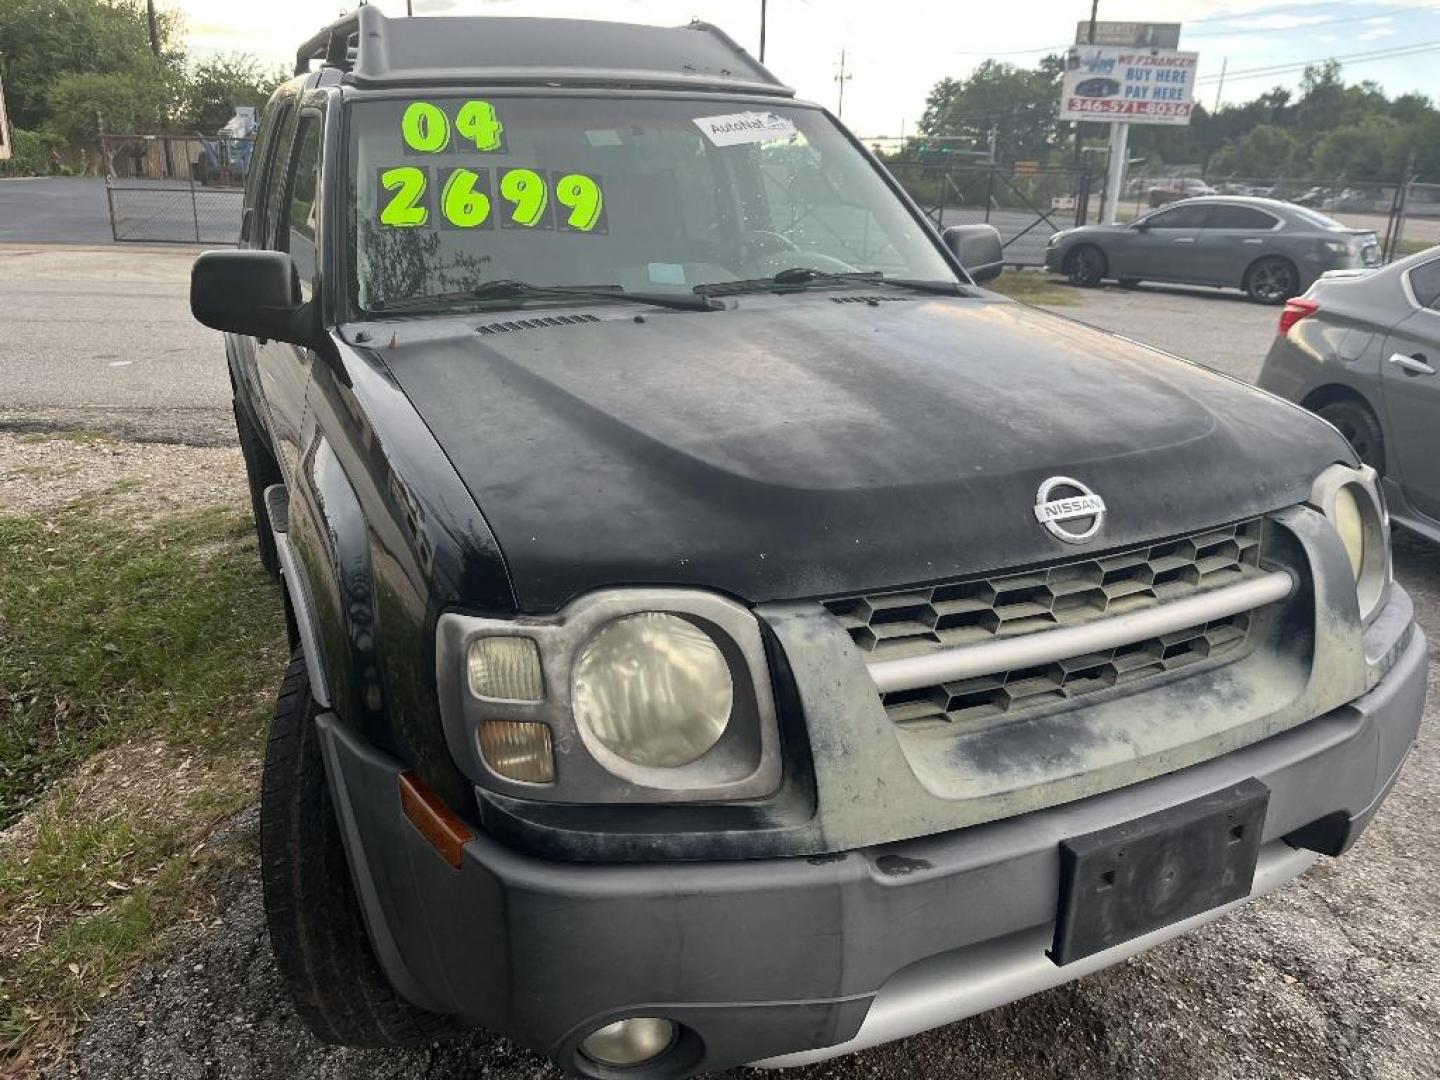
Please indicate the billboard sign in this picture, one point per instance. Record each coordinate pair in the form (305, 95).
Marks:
(1139, 35)
(4, 128)
(1138, 86)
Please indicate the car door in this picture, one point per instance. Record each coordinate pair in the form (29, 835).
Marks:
(1410, 381)
(1160, 246)
(1231, 238)
(291, 224)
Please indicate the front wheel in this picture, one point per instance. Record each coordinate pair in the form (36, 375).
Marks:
(1085, 265)
(1272, 280)
(317, 930)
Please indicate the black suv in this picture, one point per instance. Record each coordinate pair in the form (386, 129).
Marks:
(722, 632)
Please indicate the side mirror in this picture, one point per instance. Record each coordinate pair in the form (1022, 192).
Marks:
(256, 293)
(1141, 226)
(978, 249)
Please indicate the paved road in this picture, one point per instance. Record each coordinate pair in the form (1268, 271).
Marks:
(102, 338)
(75, 210)
(53, 210)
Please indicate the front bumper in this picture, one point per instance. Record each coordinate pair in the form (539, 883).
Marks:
(782, 961)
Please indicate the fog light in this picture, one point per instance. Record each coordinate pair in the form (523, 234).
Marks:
(505, 669)
(518, 750)
(630, 1042)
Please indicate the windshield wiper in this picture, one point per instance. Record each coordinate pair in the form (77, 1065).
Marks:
(802, 276)
(510, 289)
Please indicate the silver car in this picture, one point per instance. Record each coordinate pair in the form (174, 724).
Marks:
(1362, 350)
(1272, 250)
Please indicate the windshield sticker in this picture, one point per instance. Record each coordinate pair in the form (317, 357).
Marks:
(466, 201)
(582, 196)
(529, 198)
(426, 129)
(604, 137)
(747, 127)
(408, 205)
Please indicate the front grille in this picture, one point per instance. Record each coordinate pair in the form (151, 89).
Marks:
(976, 611)
(1004, 692)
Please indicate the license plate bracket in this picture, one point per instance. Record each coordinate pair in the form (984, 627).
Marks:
(1138, 876)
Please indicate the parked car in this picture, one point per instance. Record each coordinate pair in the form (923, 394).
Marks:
(1271, 250)
(722, 632)
(1362, 350)
(1173, 190)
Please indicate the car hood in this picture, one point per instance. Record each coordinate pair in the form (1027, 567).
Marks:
(819, 444)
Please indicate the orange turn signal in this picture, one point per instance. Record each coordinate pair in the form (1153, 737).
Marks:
(437, 822)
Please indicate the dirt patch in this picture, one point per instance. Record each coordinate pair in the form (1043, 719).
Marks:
(39, 472)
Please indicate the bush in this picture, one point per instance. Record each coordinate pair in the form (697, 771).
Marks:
(30, 153)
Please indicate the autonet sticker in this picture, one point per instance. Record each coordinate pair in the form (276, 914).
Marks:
(746, 127)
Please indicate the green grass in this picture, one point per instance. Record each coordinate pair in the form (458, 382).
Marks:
(161, 638)
(1033, 287)
(110, 626)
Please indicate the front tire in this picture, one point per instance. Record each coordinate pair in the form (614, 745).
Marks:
(1360, 426)
(1085, 266)
(317, 930)
(1272, 280)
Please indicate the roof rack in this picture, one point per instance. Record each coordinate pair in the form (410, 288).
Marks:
(375, 51)
(333, 46)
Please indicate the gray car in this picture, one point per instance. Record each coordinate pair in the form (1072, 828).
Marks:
(1272, 250)
(1362, 349)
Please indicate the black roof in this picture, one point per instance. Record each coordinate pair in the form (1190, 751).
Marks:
(376, 51)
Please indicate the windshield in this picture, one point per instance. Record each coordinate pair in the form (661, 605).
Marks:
(651, 195)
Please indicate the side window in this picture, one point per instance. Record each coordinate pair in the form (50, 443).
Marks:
(1182, 217)
(262, 158)
(1239, 217)
(305, 201)
(273, 235)
(1425, 284)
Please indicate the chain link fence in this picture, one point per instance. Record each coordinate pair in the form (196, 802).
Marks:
(175, 189)
(1025, 202)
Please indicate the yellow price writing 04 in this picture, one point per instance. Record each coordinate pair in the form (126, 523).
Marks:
(425, 127)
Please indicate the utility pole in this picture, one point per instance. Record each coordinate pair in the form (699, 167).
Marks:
(409, 9)
(154, 32)
(762, 31)
(1224, 64)
(842, 78)
(1090, 39)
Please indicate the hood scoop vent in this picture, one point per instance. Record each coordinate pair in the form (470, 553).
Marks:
(535, 324)
(869, 299)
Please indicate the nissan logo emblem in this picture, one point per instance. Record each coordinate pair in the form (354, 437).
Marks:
(1069, 510)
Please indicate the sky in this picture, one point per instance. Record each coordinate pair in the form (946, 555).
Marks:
(895, 50)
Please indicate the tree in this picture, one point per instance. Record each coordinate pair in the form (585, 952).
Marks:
(216, 85)
(132, 102)
(1266, 152)
(42, 41)
(1019, 105)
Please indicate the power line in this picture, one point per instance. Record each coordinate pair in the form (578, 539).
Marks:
(1351, 58)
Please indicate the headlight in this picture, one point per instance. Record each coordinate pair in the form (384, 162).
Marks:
(1351, 500)
(634, 695)
(655, 689)
(1054, 239)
